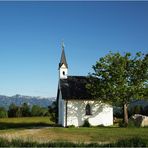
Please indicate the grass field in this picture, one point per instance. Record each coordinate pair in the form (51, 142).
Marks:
(24, 122)
(40, 129)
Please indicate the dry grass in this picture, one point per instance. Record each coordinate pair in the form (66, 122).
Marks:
(101, 135)
(45, 135)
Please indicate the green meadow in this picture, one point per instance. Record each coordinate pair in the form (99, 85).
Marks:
(42, 130)
(24, 122)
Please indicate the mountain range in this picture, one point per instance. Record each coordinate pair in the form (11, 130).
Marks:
(5, 101)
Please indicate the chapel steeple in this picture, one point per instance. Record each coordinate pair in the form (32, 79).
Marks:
(63, 58)
(63, 66)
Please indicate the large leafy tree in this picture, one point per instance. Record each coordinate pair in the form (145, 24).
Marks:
(119, 79)
(25, 109)
(14, 111)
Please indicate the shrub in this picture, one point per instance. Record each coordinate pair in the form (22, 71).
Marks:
(131, 124)
(53, 111)
(71, 126)
(121, 123)
(101, 125)
(86, 123)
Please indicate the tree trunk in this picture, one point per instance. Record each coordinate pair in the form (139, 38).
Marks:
(125, 110)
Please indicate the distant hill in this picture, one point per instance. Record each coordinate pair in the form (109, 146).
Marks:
(5, 101)
(142, 103)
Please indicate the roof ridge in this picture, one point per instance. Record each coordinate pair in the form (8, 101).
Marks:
(76, 76)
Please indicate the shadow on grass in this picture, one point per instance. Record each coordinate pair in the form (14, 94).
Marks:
(6, 125)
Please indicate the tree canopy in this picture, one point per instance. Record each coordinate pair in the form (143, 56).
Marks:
(120, 78)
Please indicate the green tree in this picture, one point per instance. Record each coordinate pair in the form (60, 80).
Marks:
(44, 111)
(14, 111)
(39, 111)
(25, 109)
(119, 79)
(3, 112)
(52, 111)
(35, 110)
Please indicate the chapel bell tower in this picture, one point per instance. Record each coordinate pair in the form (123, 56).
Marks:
(63, 66)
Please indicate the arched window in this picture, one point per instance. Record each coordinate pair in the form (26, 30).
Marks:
(88, 109)
(63, 72)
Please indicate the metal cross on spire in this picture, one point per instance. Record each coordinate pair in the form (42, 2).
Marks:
(63, 45)
(63, 57)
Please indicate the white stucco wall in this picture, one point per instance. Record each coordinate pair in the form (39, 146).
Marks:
(61, 111)
(102, 114)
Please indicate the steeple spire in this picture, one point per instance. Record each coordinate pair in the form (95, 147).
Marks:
(63, 58)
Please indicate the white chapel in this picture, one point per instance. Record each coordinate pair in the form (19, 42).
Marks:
(75, 103)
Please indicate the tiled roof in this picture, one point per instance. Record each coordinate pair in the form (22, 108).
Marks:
(74, 87)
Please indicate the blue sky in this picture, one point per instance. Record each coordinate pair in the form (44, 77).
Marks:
(31, 34)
